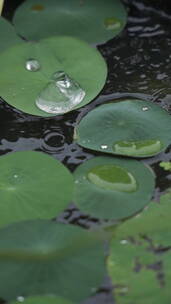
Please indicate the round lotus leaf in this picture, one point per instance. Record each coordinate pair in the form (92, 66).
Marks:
(140, 259)
(133, 128)
(32, 185)
(29, 71)
(8, 35)
(50, 258)
(41, 300)
(94, 21)
(112, 188)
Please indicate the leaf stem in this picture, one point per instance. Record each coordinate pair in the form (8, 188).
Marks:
(1, 5)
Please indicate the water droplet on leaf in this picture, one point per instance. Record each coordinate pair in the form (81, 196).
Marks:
(20, 299)
(112, 23)
(104, 146)
(111, 177)
(138, 148)
(123, 242)
(93, 289)
(60, 95)
(32, 65)
(124, 290)
(145, 108)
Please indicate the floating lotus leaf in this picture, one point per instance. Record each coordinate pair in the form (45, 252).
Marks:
(140, 257)
(94, 21)
(41, 300)
(42, 257)
(166, 166)
(32, 185)
(20, 87)
(112, 188)
(8, 35)
(128, 128)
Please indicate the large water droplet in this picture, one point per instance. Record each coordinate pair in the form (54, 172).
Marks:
(112, 23)
(111, 177)
(60, 95)
(138, 148)
(32, 65)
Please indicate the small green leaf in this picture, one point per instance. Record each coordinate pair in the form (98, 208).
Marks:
(8, 35)
(42, 257)
(32, 185)
(112, 188)
(23, 82)
(140, 256)
(128, 128)
(93, 21)
(166, 166)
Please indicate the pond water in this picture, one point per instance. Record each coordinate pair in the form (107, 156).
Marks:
(139, 63)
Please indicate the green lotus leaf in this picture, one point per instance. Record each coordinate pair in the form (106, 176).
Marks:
(8, 35)
(112, 188)
(140, 256)
(21, 87)
(41, 300)
(32, 185)
(41, 257)
(128, 128)
(93, 21)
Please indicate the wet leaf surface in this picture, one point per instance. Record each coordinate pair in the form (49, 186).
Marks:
(51, 260)
(127, 128)
(21, 86)
(113, 188)
(140, 257)
(94, 22)
(32, 185)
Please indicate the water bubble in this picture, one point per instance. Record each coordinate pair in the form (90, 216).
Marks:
(15, 175)
(112, 23)
(111, 177)
(138, 148)
(20, 299)
(32, 65)
(145, 108)
(60, 95)
(76, 182)
(123, 242)
(104, 146)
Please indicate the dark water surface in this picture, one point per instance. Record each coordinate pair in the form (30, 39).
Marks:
(139, 63)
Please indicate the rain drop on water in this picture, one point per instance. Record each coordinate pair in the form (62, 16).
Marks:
(32, 65)
(60, 95)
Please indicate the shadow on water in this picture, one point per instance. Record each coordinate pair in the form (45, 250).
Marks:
(139, 63)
